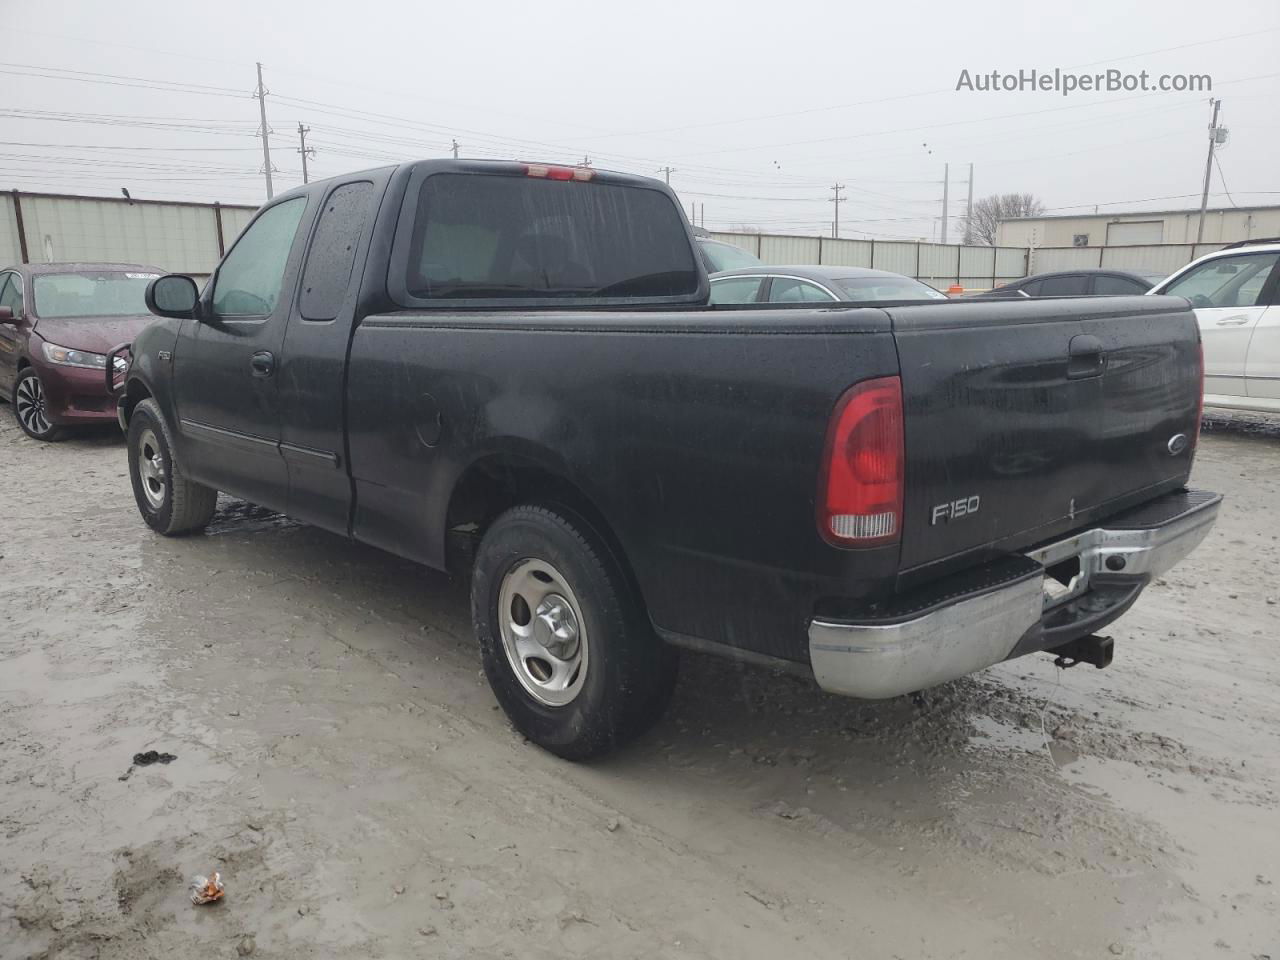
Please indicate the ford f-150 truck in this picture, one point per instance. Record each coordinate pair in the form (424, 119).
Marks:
(510, 371)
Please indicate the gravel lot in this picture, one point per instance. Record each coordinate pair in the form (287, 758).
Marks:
(341, 761)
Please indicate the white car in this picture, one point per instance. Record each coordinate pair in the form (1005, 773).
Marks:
(1236, 296)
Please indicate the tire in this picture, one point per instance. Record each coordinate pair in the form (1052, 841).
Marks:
(545, 584)
(170, 503)
(29, 408)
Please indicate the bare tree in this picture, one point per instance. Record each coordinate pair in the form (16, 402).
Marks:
(984, 224)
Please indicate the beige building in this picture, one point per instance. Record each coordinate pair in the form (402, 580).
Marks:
(1221, 225)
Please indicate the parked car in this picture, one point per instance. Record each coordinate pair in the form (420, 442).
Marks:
(717, 255)
(1076, 283)
(816, 284)
(509, 370)
(57, 323)
(1235, 293)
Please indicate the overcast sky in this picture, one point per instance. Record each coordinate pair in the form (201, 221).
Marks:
(758, 107)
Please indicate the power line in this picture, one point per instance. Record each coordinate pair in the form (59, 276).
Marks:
(108, 146)
(1222, 177)
(142, 84)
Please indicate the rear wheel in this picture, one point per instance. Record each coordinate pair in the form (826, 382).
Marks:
(566, 646)
(169, 502)
(30, 407)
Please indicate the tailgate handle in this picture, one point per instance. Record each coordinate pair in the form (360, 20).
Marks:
(1087, 358)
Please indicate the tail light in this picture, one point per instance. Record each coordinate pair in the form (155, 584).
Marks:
(548, 172)
(860, 499)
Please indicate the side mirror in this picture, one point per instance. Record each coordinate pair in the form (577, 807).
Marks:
(172, 295)
(6, 315)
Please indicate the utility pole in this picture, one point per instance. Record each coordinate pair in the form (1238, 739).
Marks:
(261, 94)
(455, 149)
(304, 149)
(586, 161)
(1208, 168)
(946, 198)
(667, 172)
(837, 200)
(968, 210)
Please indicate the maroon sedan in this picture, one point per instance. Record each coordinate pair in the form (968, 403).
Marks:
(58, 321)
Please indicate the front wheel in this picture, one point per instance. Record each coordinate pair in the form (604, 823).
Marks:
(564, 640)
(30, 407)
(169, 502)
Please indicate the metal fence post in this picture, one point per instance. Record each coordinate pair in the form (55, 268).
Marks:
(22, 229)
(217, 226)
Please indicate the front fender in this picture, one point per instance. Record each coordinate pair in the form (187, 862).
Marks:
(150, 373)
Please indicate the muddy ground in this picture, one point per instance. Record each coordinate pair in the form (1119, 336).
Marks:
(342, 763)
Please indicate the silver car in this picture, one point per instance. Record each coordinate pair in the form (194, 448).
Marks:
(816, 284)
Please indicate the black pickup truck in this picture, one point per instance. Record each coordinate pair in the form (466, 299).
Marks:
(510, 370)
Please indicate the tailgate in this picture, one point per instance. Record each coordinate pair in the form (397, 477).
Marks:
(1027, 419)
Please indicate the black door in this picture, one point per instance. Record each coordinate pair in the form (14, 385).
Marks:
(225, 381)
(311, 377)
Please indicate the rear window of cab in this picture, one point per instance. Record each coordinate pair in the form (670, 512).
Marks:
(535, 240)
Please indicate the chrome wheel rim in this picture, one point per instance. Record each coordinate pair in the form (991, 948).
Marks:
(31, 406)
(543, 632)
(151, 469)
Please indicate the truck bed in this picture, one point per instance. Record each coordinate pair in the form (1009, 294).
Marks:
(698, 436)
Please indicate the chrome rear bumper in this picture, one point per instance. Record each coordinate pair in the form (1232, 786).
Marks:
(877, 659)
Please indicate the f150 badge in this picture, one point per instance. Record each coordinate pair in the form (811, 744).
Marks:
(954, 510)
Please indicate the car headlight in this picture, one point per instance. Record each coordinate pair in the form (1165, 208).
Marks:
(73, 358)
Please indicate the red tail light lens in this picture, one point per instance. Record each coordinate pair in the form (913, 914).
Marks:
(860, 497)
(548, 172)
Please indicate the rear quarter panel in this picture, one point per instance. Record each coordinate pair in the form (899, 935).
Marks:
(698, 437)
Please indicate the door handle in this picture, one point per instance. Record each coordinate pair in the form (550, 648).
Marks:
(263, 363)
(1233, 321)
(1086, 358)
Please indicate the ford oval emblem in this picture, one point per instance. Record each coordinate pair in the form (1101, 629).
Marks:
(1177, 444)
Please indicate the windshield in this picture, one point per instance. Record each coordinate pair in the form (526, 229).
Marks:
(91, 293)
(725, 256)
(482, 236)
(887, 288)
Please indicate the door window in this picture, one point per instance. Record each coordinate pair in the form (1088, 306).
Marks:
(785, 290)
(11, 292)
(1105, 285)
(249, 280)
(735, 290)
(333, 250)
(1072, 285)
(1226, 282)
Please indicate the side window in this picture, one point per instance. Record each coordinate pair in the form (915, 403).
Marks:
(1072, 285)
(1226, 282)
(248, 282)
(735, 290)
(796, 291)
(333, 250)
(1109, 286)
(11, 292)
